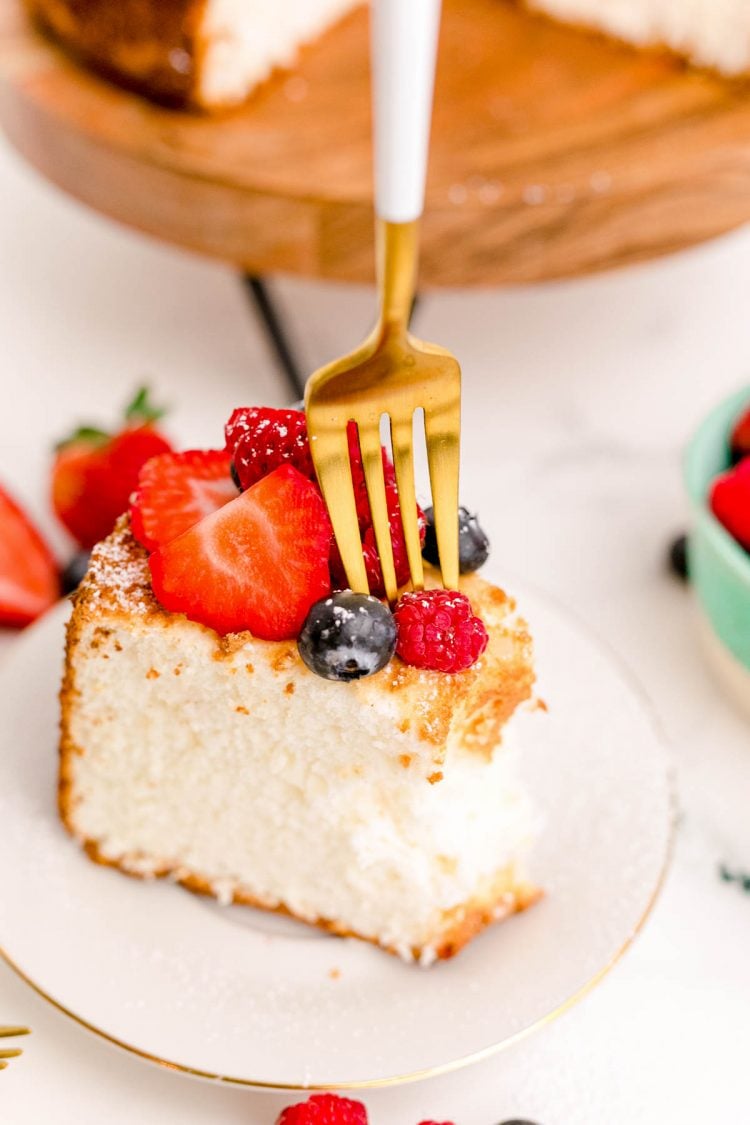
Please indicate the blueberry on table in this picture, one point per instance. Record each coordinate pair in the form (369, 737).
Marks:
(71, 575)
(678, 557)
(347, 636)
(473, 544)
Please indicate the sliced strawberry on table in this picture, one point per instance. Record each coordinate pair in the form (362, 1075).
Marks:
(176, 490)
(29, 582)
(95, 472)
(257, 563)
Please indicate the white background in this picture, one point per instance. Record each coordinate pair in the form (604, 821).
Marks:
(578, 400)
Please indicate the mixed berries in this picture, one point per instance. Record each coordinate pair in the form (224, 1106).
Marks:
(240, 539)
(730, 492)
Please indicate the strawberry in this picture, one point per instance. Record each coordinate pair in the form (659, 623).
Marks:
(730, 501)
(739, 442)
(94, 472)
(257, 563)
(28, 574)
(176, 490)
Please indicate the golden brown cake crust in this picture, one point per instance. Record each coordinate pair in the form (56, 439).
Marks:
(153, 47)
(460, 926)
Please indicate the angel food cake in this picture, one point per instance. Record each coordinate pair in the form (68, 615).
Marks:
(233, 720)
(213, 53)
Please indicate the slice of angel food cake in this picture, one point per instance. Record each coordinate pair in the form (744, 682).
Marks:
(237, 720)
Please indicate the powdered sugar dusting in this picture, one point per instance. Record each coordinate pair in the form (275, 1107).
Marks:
(118, 576)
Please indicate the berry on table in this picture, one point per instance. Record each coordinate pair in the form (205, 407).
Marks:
(72, 574)
(258, 563)
(347, 636)
(739, 442)
(176, 490)
(324, 1109)
(678, 557)
(435, 1123)
(28, 573)
(95, 472)
(438, 630)
(473, 544)
(730, 502)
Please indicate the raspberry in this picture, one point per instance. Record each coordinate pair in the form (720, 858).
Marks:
(260, 439)
(437, 629)
(435, 1123)
(324, 1109)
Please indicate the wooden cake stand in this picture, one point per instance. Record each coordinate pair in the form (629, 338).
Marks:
(555, 153)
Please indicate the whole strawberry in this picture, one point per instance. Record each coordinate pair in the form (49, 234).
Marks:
(324, 1109)
(95, 472)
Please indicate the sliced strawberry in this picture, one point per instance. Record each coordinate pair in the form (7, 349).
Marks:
(730, 501)
(176, 490)
(257, 563)
(28, 575)
(95, 473)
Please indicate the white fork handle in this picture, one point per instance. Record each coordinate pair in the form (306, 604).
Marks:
(403, 46)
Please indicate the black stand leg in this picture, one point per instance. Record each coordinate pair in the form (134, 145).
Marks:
(276, 333)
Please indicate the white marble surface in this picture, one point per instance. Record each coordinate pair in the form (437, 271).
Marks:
(578, 400)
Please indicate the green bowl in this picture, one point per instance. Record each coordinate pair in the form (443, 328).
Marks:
(719, 568)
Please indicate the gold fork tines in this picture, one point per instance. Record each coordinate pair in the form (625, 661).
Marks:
(390, 374)
(10, 1032)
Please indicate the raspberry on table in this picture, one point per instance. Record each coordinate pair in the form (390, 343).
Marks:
(324, 1109)
(438, 630)
(261, 438)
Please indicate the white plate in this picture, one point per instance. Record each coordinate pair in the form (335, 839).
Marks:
(251, 998)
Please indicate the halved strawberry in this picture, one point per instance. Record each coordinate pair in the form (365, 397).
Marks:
(176, 490)
(94, 472)
(258, 563)
(29, 582)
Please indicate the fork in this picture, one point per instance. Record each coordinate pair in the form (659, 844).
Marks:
(391, 373)
(10, 1052)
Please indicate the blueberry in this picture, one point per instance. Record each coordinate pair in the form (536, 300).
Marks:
(678, 561)
(473, 544)
(235, 475)
(72, 574)
(347, 636)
